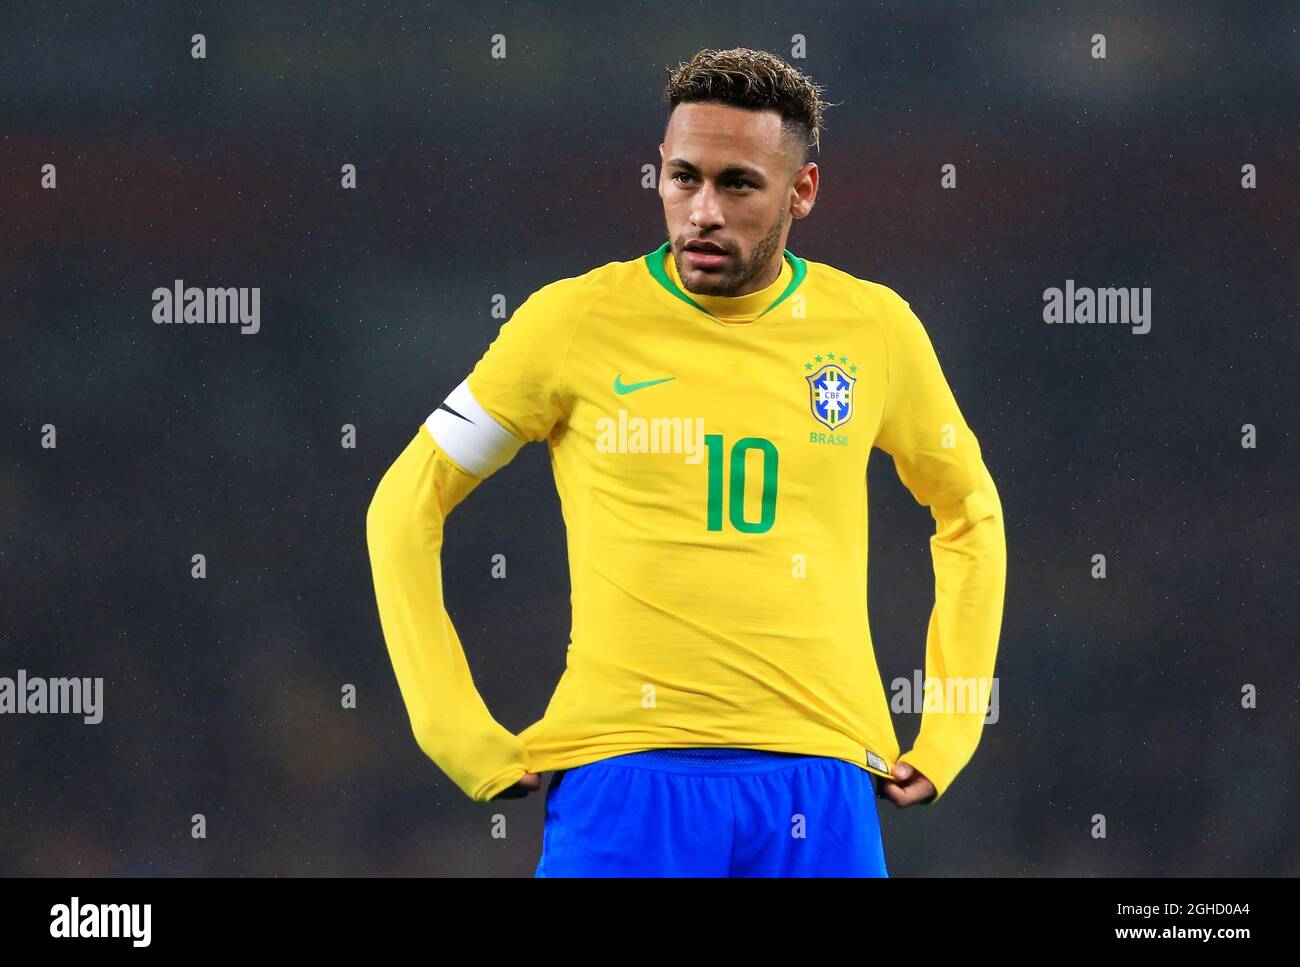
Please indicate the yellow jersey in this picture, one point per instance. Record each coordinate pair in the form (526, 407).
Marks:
(710, 455)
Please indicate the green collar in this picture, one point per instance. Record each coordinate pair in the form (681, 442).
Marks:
(655, 263)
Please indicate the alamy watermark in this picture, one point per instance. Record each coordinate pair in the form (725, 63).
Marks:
(958, 695)
(658, 434)
(53, 696)
(77, 920)
(218, 306)
(1085, 305)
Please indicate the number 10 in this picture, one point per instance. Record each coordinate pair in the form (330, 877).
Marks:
(736, 505)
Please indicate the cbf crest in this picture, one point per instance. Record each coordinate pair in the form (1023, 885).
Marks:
(830, 389)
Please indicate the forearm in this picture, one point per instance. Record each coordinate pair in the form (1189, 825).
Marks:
(404, 530)
(970, 559)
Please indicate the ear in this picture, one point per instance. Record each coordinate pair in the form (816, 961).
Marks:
(805, 185)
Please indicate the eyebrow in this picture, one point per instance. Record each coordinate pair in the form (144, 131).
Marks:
(729, 170)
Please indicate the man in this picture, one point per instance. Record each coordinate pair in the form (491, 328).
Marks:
(709, 409)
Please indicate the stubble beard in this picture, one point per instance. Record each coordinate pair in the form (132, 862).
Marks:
(730, 283)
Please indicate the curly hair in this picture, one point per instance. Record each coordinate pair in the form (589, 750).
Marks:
(757, 81)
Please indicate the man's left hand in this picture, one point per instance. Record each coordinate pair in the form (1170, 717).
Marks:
(908, 787)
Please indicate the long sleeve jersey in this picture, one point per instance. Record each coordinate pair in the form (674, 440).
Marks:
(710, 456)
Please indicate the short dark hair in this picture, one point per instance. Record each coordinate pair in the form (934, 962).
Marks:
(757, 81)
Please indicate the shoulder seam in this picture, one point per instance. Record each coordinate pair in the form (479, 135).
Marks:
(889, 371)
(573, 336)
(885, 325)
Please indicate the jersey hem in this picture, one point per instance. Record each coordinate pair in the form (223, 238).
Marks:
(538, 762)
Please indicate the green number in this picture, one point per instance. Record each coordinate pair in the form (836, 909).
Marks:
(714, 442)
(736, 505)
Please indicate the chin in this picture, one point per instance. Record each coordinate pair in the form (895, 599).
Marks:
(708, 284)
(706, 289)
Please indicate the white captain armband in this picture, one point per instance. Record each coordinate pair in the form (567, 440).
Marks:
(467, 433)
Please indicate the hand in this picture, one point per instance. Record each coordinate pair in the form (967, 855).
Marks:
(911, 787)
(531, 782)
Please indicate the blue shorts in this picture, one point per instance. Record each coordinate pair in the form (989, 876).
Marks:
(712, 813)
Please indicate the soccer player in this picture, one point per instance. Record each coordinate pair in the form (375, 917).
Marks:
(709, 409)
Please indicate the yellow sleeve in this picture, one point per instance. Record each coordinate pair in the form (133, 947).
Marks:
(938, 459)
(514, 394)
(404, 534)
(519, 381)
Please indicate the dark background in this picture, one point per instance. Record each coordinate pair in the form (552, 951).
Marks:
(478, 176)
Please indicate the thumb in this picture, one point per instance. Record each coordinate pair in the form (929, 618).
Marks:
(902, 770)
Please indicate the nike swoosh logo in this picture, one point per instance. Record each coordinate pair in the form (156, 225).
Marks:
(621, 387)
(443, 406)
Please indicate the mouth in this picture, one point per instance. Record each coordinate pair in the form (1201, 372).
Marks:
(704, 255)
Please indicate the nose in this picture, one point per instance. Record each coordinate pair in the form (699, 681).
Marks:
(705, 211)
